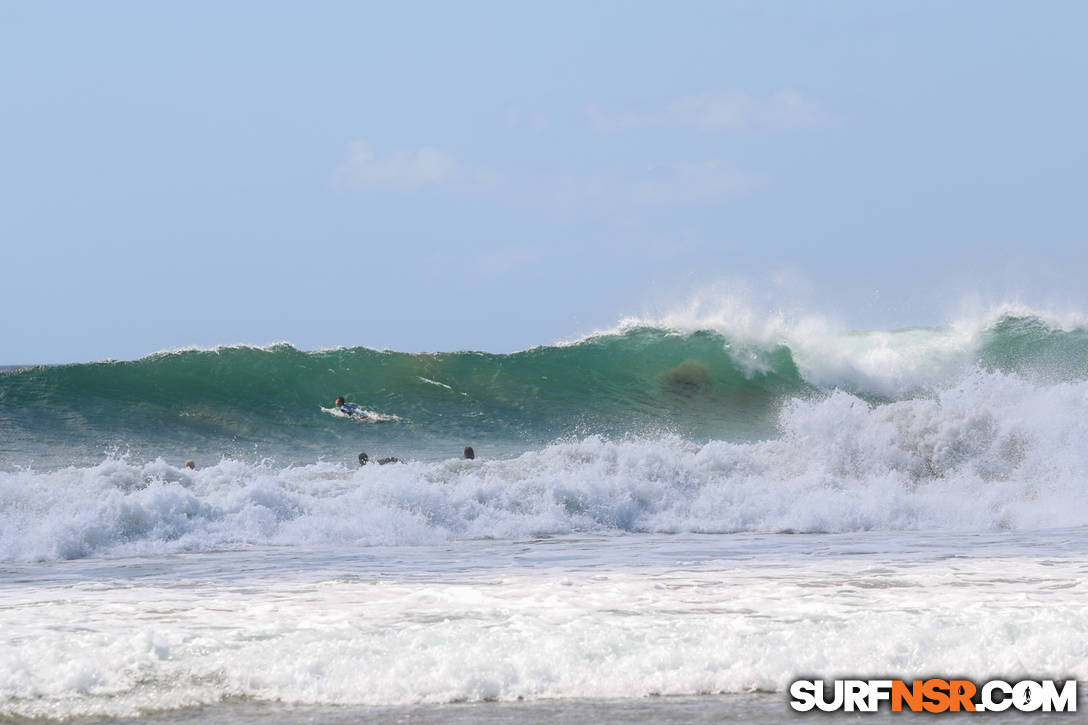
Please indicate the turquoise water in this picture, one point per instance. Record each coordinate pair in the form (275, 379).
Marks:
(645, 382)
(663, 524)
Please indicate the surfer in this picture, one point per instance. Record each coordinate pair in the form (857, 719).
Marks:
(469, 453)
(349, 409)
(364, 459)
(190, 464)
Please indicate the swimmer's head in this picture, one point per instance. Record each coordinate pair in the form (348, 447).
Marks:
(469, 453)
(339, 401)
(190, 464)
(363, 458)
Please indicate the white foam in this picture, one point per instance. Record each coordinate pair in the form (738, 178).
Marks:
(120, 647)
(829, 354)
(995, 451)
(434, 382)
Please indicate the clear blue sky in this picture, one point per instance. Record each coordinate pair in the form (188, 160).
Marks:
(429, 176)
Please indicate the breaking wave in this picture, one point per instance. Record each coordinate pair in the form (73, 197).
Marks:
(995, 451)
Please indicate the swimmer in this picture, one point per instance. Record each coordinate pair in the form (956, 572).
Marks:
(364, 459)
(190, 464)
(469, 453)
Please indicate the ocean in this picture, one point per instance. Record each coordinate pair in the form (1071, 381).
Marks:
(665, 522)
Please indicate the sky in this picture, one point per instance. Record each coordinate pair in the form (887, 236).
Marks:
(442, 176)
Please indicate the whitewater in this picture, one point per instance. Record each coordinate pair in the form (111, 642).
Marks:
(670, 520)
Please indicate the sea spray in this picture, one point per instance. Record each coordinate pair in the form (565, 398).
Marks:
(642, 381)
(995, 451)
(663, 509)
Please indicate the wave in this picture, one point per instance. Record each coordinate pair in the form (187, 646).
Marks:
(638, 380)
(995, 452)
(641, 381)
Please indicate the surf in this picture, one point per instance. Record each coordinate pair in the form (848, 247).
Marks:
(996, 452)
(700, 379)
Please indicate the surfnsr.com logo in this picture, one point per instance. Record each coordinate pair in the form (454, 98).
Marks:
(934, 695)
